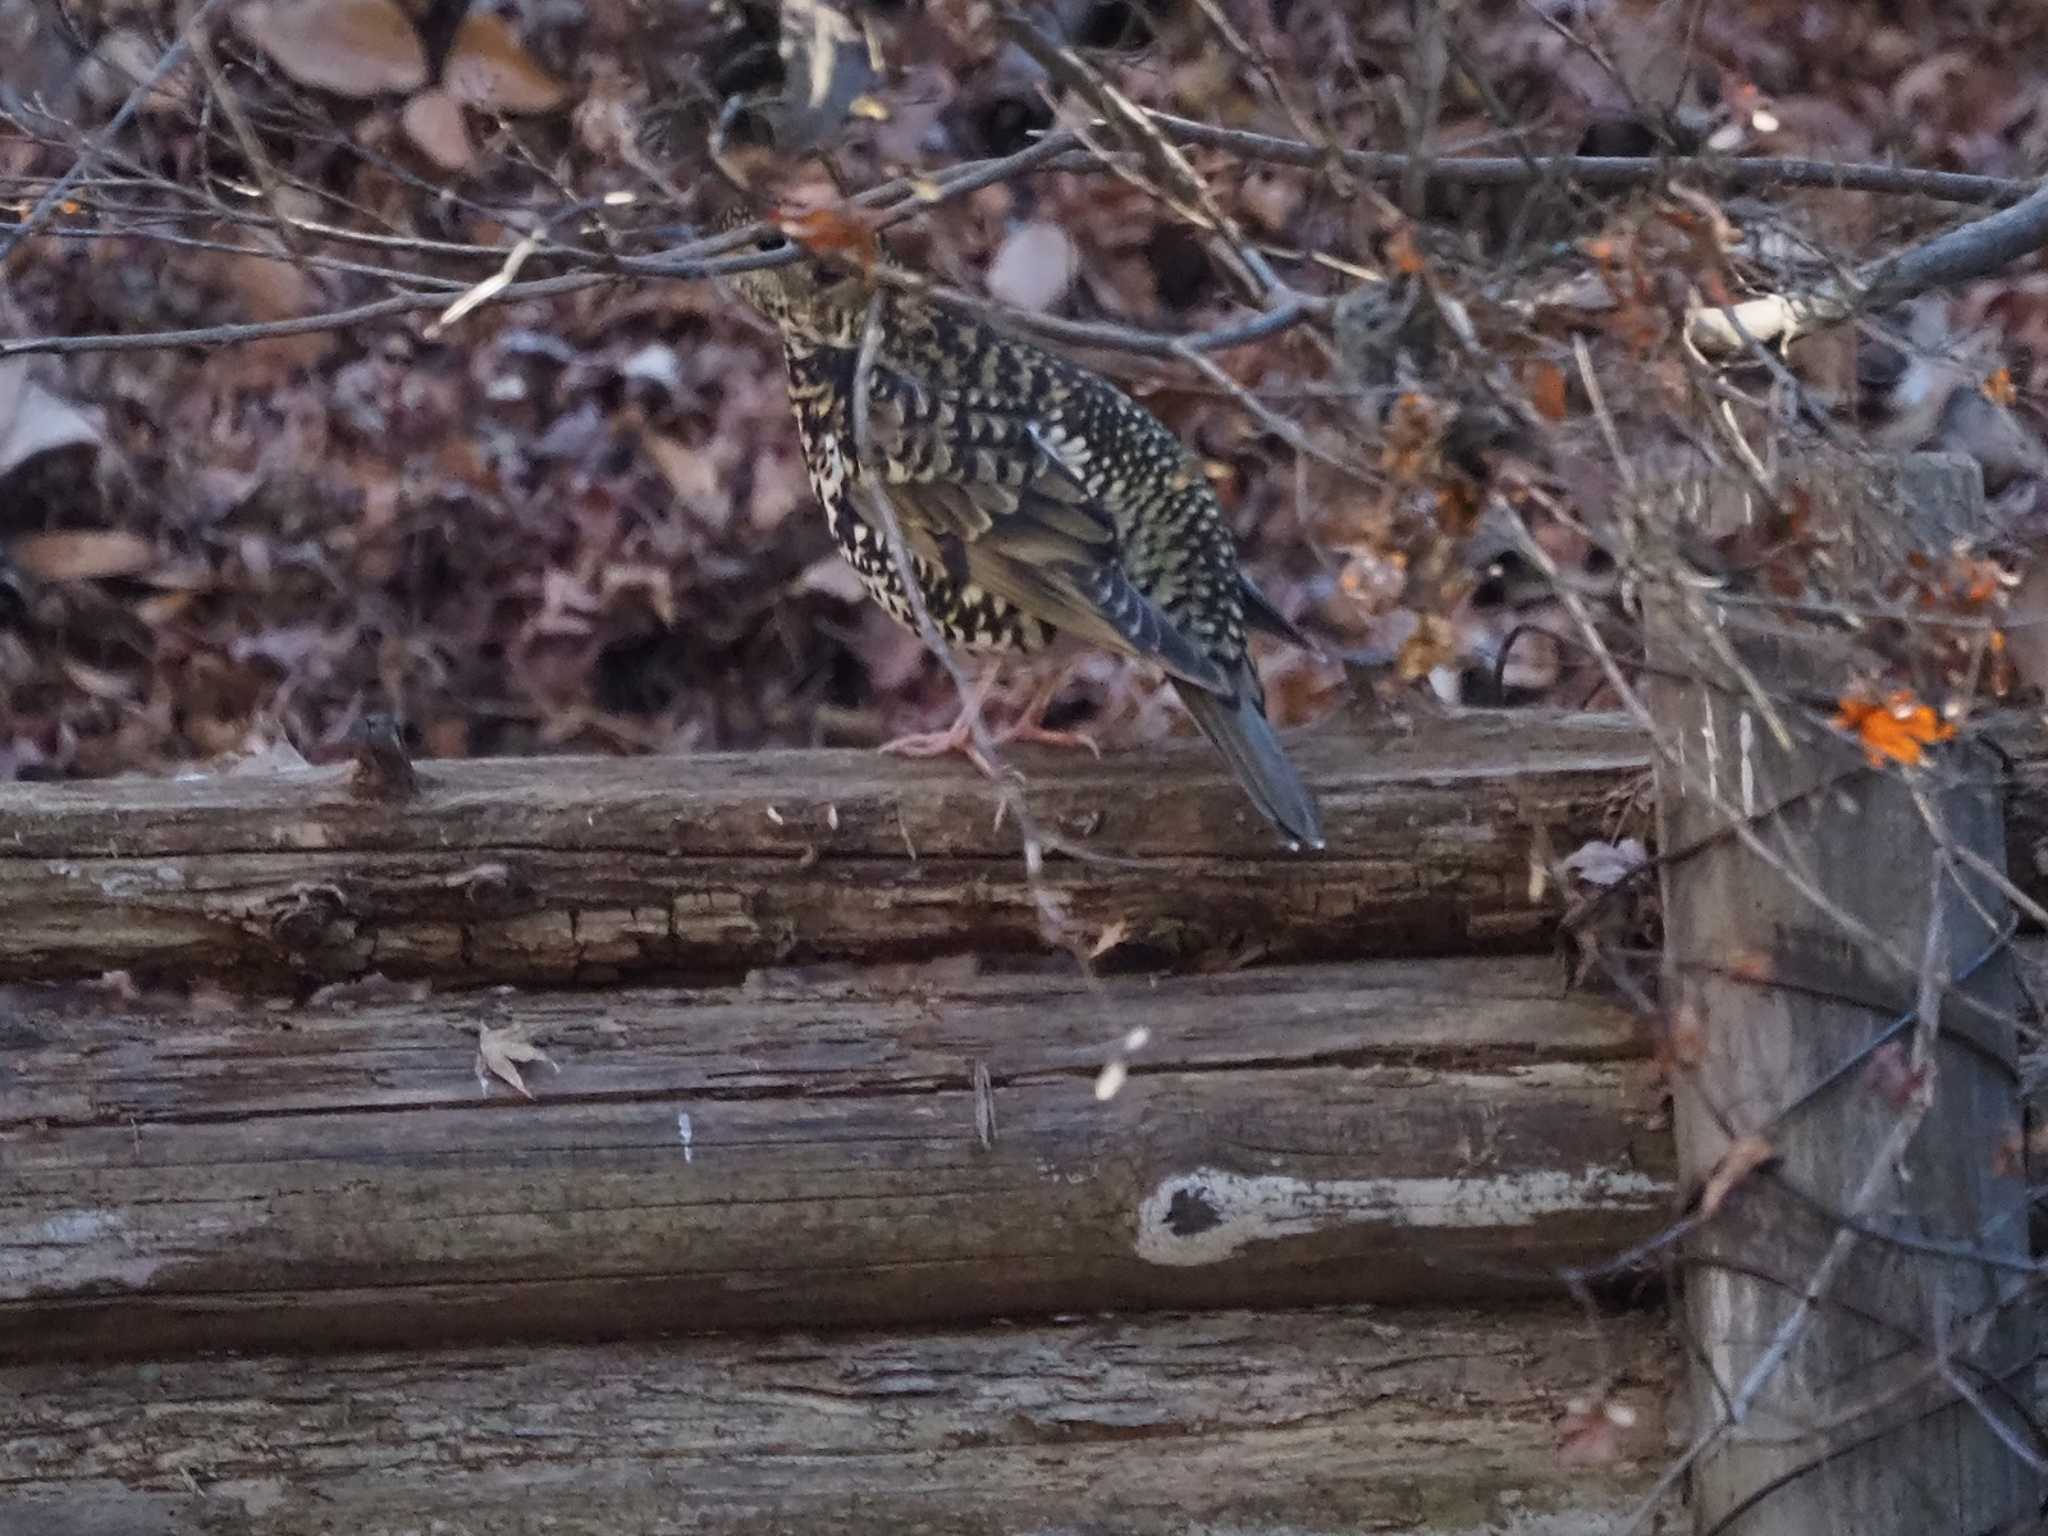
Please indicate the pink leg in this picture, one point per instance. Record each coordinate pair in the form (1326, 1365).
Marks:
(958, 737)
(1030, 725)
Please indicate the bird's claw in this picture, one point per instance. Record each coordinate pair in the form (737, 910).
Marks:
(1032, 731)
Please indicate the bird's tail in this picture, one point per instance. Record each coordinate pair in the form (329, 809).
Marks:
(1239, 728)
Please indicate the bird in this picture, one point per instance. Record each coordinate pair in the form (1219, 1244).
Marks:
(1039, 504)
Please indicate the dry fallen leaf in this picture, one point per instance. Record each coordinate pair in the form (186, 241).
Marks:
(1606, 864)
(34, 421)
(1113, 936)
(433, 121)
(354, 48)
(842, 232)
(690, 472)
(83, 554)
(500, 1052)
(489, 68)
(1897, 728)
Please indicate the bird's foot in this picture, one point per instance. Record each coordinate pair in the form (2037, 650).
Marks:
(1030, 725)
(1030, 730)
(960, 739)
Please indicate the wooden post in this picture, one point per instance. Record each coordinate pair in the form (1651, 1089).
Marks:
(1874, 1377)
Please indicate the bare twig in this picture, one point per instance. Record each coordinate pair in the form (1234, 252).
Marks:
(81, 166)
(1972, 250)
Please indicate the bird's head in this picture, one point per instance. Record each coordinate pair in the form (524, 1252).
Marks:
(810, 301)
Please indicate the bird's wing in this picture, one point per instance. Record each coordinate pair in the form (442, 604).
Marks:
(977, 487)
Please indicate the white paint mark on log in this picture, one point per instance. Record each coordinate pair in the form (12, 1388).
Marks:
(686, 1135)
(1745, 740)
(1707, 740)
(1205, 1216)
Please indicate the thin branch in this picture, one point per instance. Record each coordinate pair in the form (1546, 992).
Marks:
(1972, 250)
(81, 166)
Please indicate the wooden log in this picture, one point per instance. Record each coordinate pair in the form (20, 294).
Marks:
(1831, 1362)
(836, 1151)
(1255, 1423)
(588, 870)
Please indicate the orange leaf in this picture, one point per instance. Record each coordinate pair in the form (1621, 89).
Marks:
(1897, 729)
(1544, 381)
(840, 232)
(1402, 254)
(1434, 644)
(1998, 389)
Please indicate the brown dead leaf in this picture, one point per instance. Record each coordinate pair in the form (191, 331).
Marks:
(1112, 937)
(97, 682)
(84, 554)
(1432, 645)
(35, 421)
(1744, 1156)
(433, 121)
(121, 61)
(501, 1051)
(270, 287)
(1544, 382)
(690, 473)
(356, 48)
(489, 68)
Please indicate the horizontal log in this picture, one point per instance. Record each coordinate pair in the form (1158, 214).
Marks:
(1263, 1425)
(852, 1149)
(588, 870)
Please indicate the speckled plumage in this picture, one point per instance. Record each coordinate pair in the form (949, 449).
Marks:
(1037, 500)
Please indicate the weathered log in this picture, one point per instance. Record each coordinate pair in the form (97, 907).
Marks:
(839, 1152)
(589, 869)
(1259, 1424)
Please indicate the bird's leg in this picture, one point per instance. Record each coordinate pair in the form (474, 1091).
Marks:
(959, 737)
(1030, 725)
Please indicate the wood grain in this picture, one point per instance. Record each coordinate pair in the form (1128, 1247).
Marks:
(809, 1147)
(1259, 1424)
(1842, 1353)
(587, 870)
